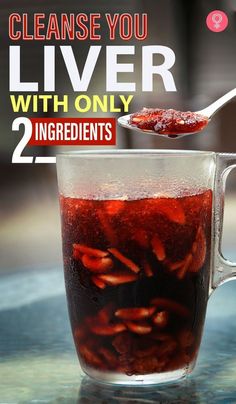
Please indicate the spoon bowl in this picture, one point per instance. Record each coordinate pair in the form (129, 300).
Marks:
(207, 112)
(124, 122)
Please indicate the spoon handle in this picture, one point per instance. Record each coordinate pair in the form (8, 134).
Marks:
(215, 106)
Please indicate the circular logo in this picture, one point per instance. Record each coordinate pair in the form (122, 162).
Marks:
(217, 21)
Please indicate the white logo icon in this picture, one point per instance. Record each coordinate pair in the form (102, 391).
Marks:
(217, 19)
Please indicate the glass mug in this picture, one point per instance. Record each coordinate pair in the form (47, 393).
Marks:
(141, 235)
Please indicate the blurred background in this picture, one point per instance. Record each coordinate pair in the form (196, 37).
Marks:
(204, 70)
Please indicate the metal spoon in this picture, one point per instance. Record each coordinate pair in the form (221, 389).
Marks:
(207, 112)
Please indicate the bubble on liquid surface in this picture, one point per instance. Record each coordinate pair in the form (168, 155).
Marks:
(139, 189)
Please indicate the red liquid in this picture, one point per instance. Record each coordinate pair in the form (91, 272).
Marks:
(137, 275)
(169, 121)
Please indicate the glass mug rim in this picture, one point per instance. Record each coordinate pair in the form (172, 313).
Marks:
(135, 152)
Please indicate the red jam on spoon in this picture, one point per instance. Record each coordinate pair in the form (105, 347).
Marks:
(168, 121)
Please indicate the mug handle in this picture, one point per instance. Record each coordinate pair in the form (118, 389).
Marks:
(223, 269)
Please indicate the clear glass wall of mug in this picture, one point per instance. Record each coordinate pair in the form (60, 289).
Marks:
(141, 244)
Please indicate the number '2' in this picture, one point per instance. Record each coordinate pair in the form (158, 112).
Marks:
(16, 156)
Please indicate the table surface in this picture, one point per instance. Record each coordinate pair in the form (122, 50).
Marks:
(38, 363)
